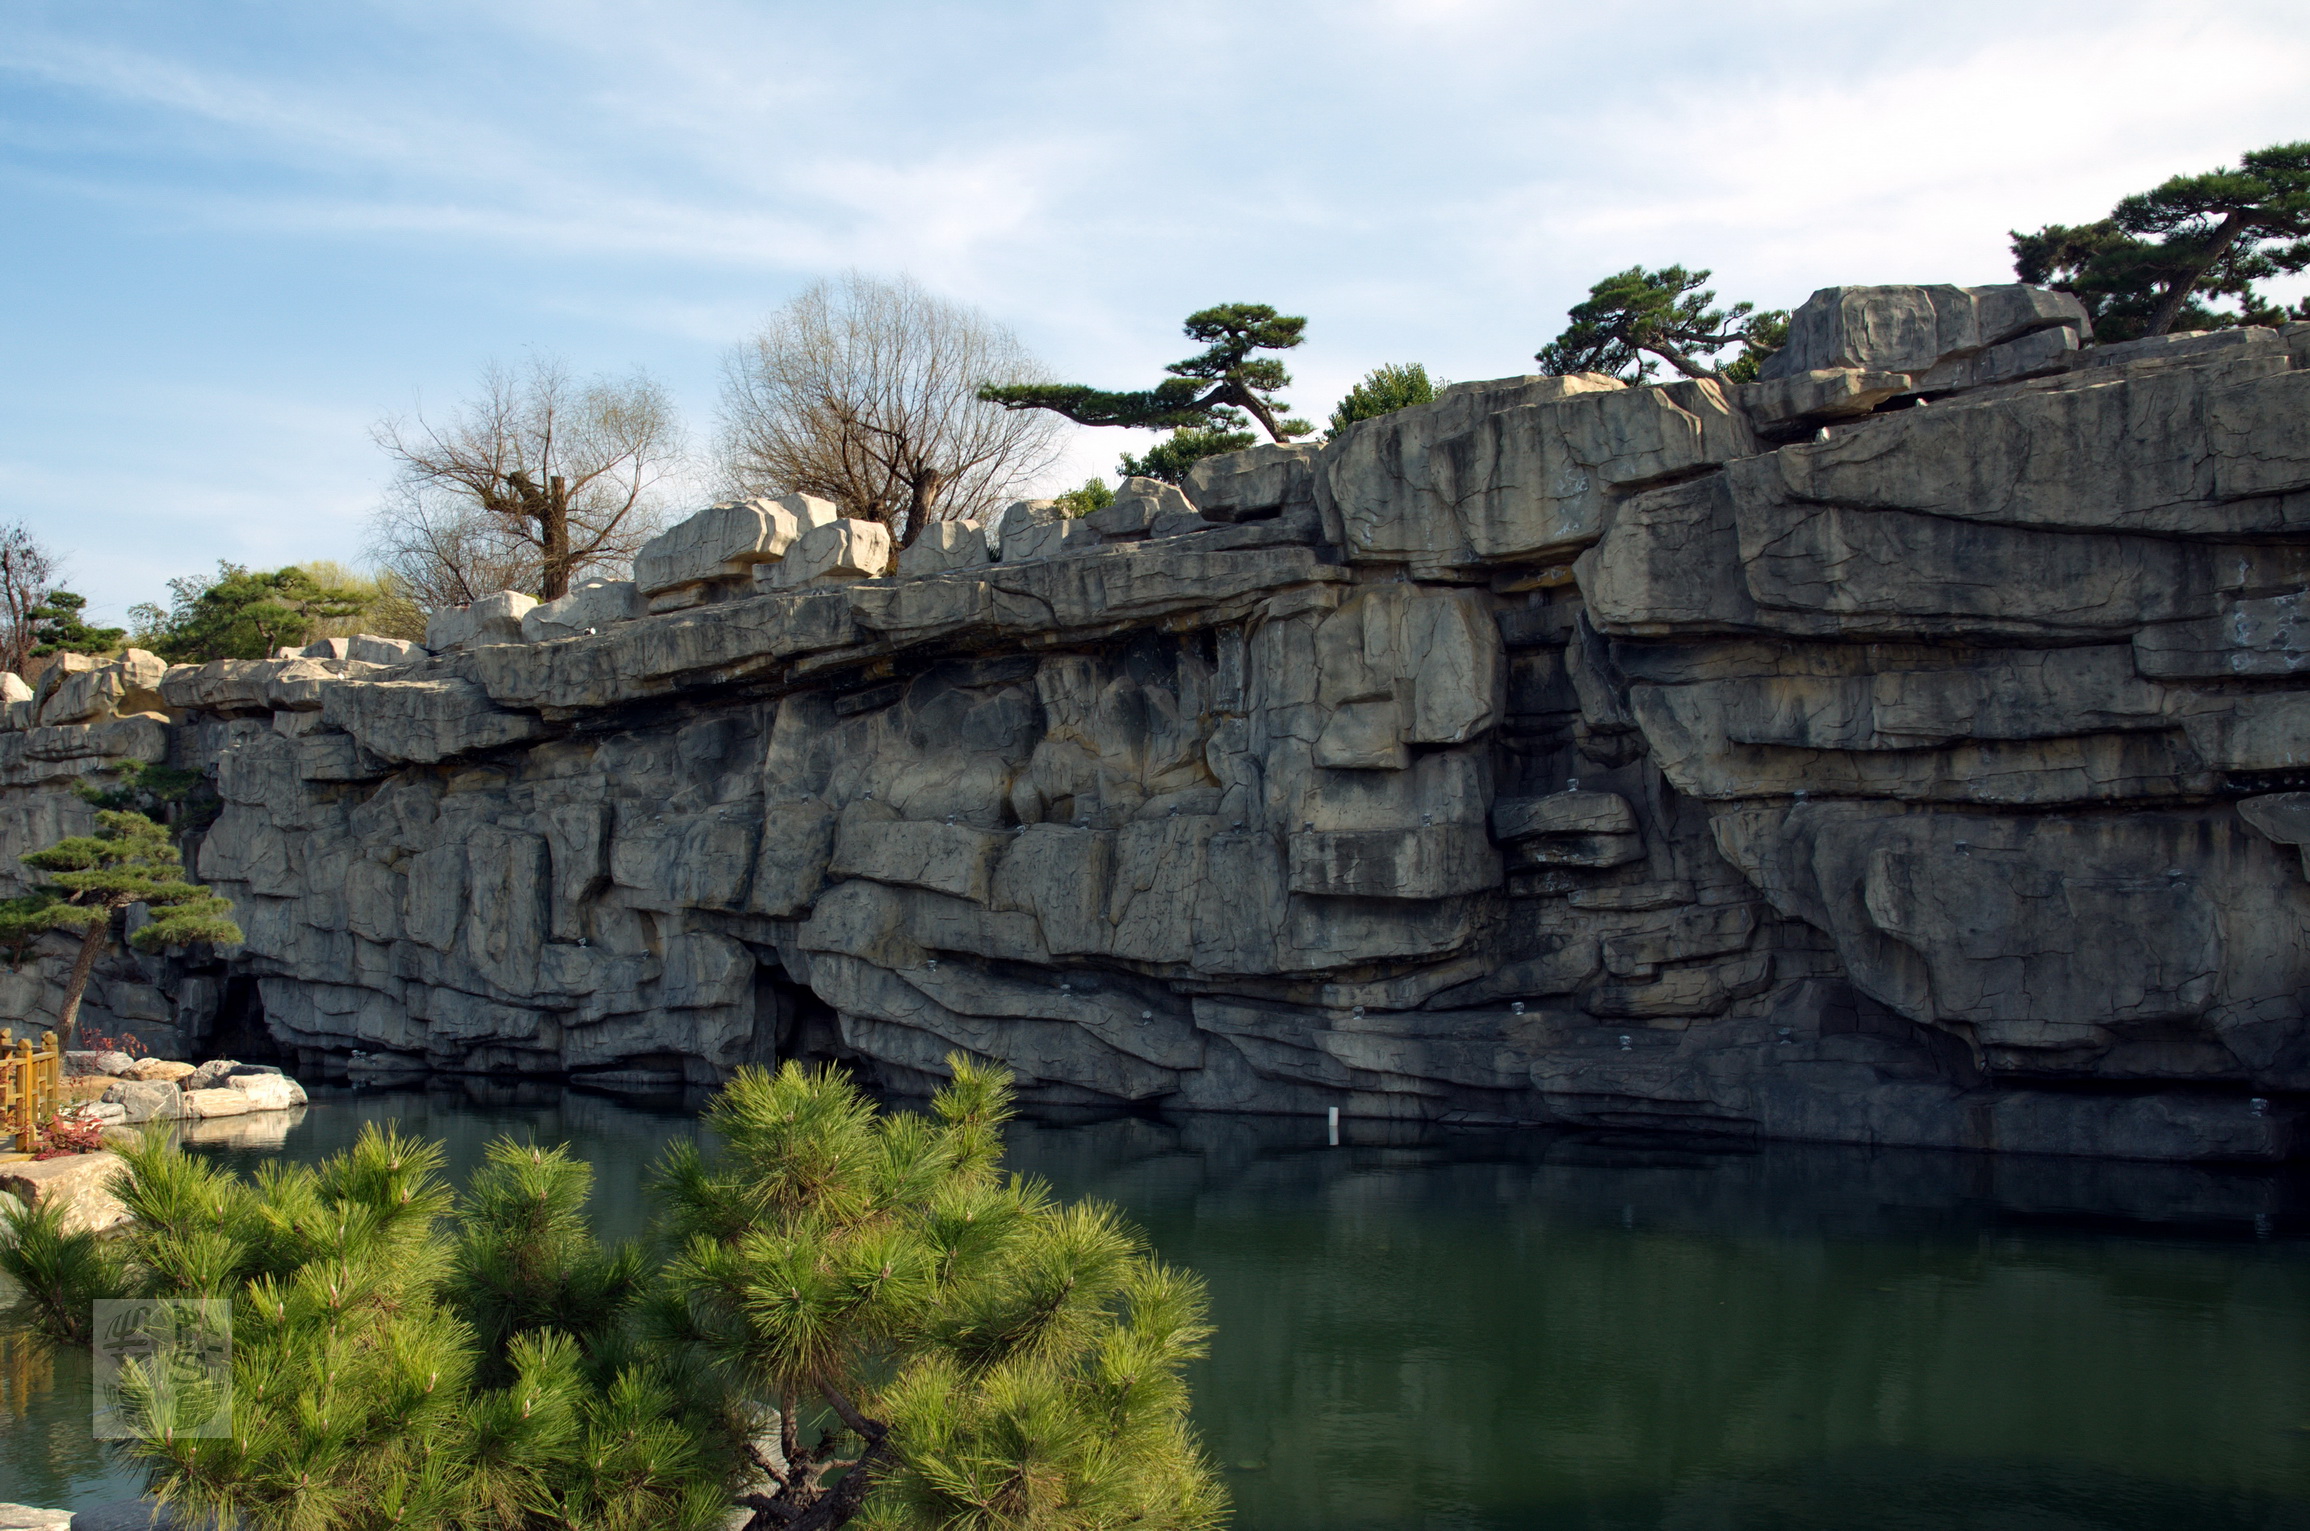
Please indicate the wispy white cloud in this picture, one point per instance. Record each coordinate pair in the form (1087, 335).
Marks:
(431, 182)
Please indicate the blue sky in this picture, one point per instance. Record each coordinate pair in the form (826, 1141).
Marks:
(237, 234)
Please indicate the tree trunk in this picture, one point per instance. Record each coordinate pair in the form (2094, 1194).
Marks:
(2170, 308)
(555, 535)
(1258, 410)
(91, 947)
(921, 494)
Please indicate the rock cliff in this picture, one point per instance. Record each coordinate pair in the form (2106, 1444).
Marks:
(1903, 748)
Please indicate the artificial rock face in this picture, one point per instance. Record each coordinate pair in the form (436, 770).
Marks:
(1907, 748)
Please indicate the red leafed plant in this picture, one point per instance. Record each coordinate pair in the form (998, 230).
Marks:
(66, 1135)
(92, 1040)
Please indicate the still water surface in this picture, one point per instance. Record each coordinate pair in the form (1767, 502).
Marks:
(1511, 1330)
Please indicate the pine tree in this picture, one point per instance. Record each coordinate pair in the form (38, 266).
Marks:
(2162, 255)
(858, 1305)
(385, 1374)
(1203, 402)
(1633, 316)
(59, 627)
(91, 878)
(967, 1354)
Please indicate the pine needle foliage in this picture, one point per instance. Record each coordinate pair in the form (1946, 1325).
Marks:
(1094, 495)
(1203, 403)
(2162, 256)
(389, 1374)
(91, 878)
(939, 1346)
(862, 1321)
(1635, 319)
(58, 1274)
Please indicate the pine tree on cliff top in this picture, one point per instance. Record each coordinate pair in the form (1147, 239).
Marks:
(2162, 255)
(1635, 316)
(1204, 401)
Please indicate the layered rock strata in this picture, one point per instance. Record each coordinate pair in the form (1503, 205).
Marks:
(1911, 748)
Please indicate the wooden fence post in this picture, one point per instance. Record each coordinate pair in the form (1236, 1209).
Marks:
(15, 1104)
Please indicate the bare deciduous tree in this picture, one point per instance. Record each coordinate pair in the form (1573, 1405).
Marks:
(865, 392)
(539, 480)
(26, 571)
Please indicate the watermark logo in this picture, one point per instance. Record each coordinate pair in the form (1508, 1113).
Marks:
(164, 1368)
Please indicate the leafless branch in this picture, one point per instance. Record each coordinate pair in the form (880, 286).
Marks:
(865, 392)
(537, 482)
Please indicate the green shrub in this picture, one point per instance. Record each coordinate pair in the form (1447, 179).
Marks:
(1384, 390)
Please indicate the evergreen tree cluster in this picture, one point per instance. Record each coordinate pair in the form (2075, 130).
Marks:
(844, 1316)
(238, 613)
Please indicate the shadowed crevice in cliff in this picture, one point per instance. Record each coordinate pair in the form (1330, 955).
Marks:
(1894, 750)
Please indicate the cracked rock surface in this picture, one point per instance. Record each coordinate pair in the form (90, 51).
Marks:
(1909, 748)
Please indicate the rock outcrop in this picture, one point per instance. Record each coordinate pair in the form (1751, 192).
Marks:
(1907, 748)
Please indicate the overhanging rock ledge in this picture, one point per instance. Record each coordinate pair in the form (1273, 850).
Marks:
(1912, 748)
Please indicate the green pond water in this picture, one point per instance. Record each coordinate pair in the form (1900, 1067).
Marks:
(1493, 1330)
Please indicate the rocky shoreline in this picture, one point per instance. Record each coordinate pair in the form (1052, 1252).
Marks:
(161, 1089)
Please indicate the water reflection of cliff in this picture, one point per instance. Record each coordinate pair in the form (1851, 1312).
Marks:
(1515, 1330)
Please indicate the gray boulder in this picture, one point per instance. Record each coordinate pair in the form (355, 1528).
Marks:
(1913, 329)
(842, 550)
(1259, 481)
(492, 619)
(146, 1101)
(589, 608)
(723, 543)
(944, 545)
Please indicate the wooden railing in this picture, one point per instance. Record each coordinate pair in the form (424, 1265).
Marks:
(31, 1086)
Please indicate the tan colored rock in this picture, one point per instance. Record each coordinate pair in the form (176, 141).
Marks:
(129, 684)
(81, 1184)
(159, 1070)
(266, 1092)
(202, 1104)
(146, 1100)
(257, 1130)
